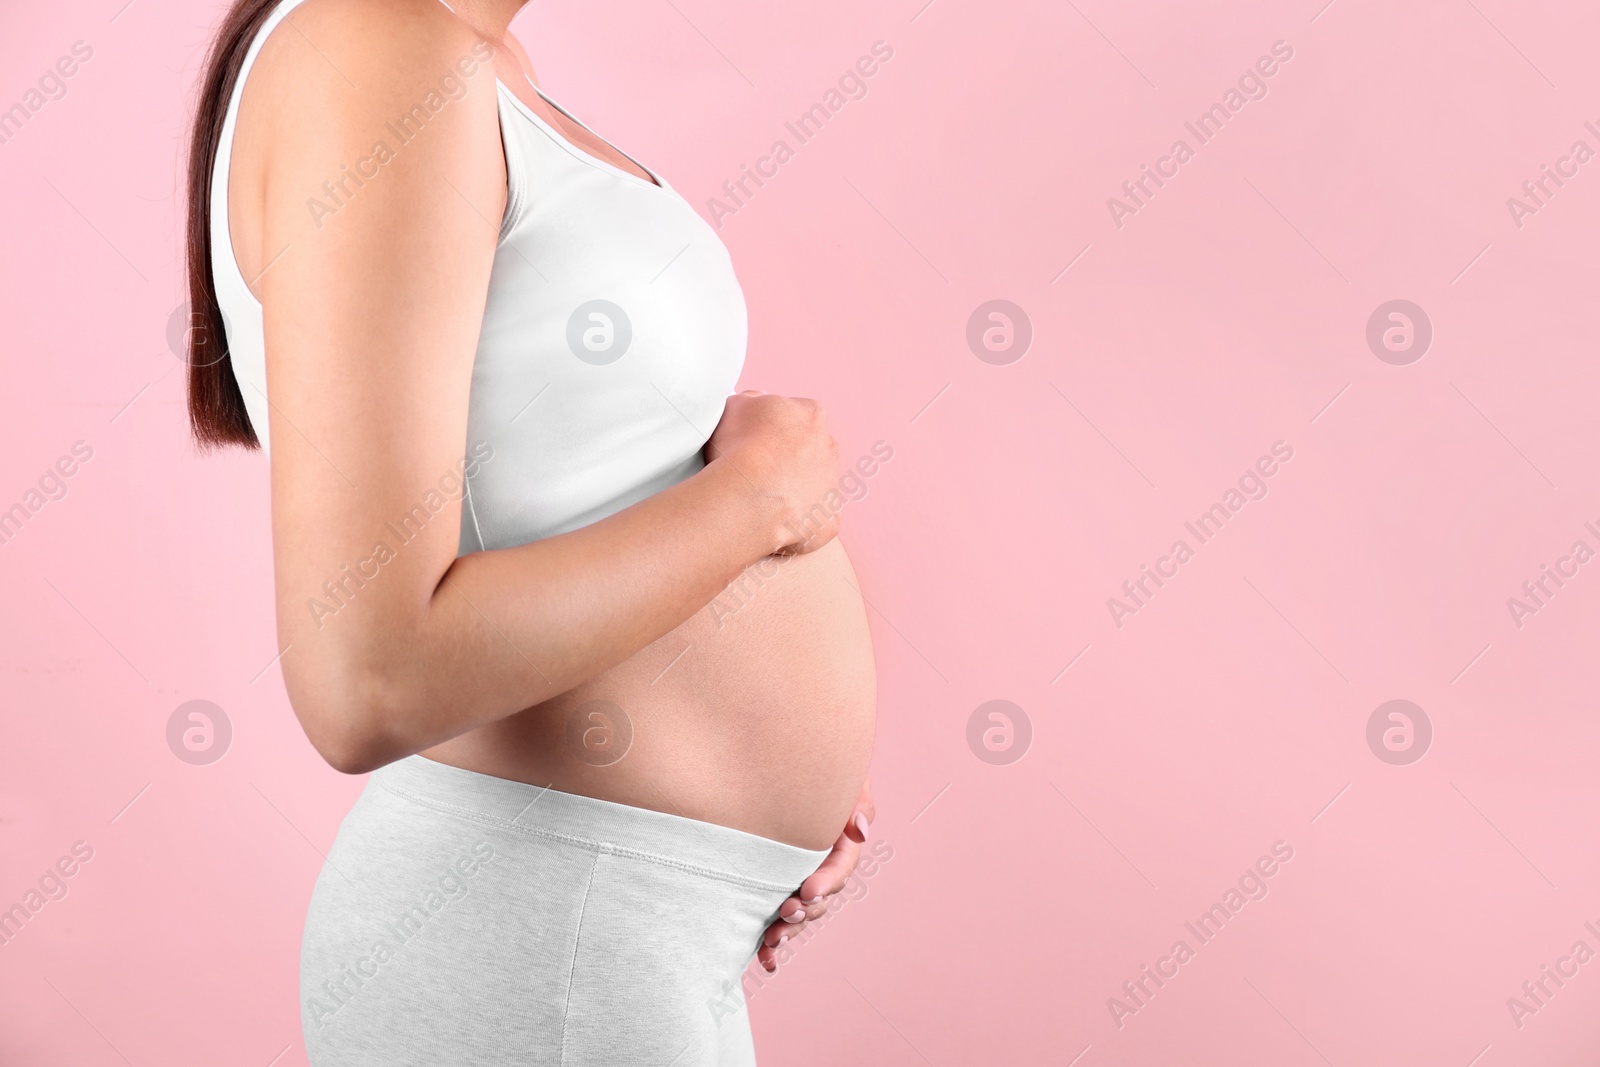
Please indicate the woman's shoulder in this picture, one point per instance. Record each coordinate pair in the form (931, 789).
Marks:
(343, 90)
(362, 126)
(349, 62)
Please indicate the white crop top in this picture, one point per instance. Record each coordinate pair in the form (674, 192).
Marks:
(613, 334)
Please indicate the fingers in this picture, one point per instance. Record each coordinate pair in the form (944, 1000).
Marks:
(792, 918)
(811, 902)
(793, 915)
(779, 933)
(829, 878)
(865, 811)
(767, 956)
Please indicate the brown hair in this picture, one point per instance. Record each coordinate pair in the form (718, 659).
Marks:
(216, 406)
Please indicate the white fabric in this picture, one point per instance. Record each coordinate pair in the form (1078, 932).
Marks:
(577, 431)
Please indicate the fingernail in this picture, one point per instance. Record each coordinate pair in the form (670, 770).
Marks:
(795, 916)
(781, 939)
(813, 900)
(861, 824)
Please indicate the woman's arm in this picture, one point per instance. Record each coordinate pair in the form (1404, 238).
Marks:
(372, 314)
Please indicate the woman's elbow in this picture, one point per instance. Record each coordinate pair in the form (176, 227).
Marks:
(349, 751)
(353, 724)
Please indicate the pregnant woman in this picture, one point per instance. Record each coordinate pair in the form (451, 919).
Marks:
(579, 611)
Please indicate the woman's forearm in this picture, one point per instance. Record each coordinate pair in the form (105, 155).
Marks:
(371, 328)
(509, 628)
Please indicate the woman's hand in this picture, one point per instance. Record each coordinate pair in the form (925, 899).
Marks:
(817, 891)
(782, 446)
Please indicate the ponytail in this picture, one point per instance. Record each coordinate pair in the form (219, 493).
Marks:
(217, 413)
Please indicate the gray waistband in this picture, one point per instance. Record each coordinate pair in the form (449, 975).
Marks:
(654, 836)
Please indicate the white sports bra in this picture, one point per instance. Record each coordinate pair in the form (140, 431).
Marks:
(613, 334)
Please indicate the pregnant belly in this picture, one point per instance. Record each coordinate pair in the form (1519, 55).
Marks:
(756, 713)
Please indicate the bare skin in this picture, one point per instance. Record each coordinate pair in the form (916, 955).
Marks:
(760, 718)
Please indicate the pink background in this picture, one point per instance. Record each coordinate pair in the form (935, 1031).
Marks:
(1228, 714)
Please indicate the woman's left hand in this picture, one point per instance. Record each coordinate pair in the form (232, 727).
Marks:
(817, 891)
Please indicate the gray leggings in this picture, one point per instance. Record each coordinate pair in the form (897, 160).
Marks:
(469, 920)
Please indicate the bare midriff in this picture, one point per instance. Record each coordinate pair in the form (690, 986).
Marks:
(756, 713)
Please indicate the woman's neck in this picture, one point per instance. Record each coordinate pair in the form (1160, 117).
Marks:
(491, 18)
